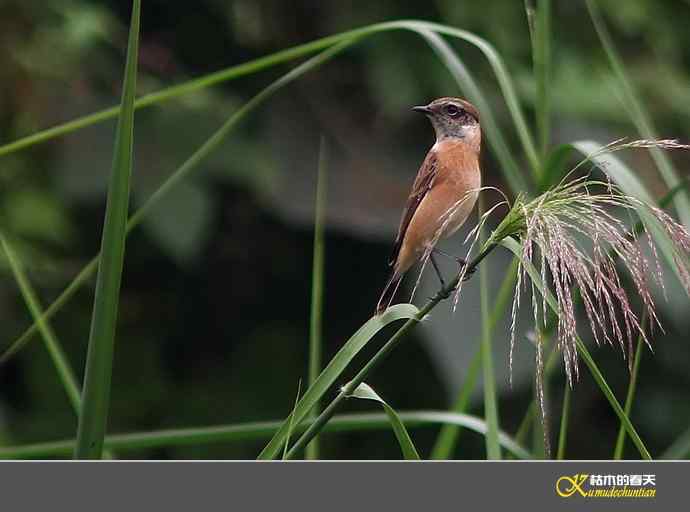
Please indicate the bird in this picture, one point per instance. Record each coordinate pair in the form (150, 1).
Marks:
(444, 192)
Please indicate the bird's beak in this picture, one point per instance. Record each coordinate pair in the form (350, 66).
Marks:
(423, 109)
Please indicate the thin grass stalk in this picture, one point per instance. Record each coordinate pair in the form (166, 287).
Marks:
(317, 290)
(493, 449)
(244, 432)
(541, 52)
(541, 447)
(529, 418)
(565, 417)
(447, 439)
(603, 385)
(448, 436)
(399, 335)
(538, 437)
(96, 394)
(57, 354)
(526, 422)
(292, 419)
(177, 176)
(50, 339)
(632, 102)
(630, 397)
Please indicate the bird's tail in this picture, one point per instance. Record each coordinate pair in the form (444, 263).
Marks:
(388, 292)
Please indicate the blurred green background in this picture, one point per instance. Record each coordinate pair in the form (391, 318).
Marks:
(214, 315)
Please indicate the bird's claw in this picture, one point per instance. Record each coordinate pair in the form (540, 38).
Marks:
(468, 273)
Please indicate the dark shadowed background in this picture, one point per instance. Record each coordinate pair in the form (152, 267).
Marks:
(214, 314)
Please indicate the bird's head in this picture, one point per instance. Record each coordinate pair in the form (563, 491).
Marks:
(453, 118)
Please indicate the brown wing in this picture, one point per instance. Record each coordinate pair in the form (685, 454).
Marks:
(422, 184)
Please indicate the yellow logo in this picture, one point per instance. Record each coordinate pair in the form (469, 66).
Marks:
(607, 486)
(566, 486)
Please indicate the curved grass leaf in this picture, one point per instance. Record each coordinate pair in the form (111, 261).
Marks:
(494, 59)
(99, 358)
(365, 392)
(335, 368)
(261, 430)
(535, 277)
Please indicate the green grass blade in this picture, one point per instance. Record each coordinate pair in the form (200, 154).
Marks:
(634, 105)
(365, 392)
(190, 165)
(526, 422)
(55, 350)
(493, 449)
(336, 367)
(541, 52)
(291, 418)
(565, 416)
(317, 287)
(65, 372)
(516, 249)
(603, 385)
(448, 436)
(81, 278)
(630, 397)
(260, 430)
(99, 359)
(540, 430)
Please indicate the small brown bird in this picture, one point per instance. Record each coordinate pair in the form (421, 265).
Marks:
(444, 191)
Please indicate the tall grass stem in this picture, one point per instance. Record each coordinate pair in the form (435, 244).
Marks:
(318, 277)
(99, 359)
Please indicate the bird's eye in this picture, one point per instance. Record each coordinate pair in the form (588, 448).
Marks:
(452, 110)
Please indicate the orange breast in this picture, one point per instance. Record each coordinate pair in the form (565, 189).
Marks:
(447, 205)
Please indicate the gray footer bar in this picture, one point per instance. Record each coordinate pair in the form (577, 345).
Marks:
(350, 486)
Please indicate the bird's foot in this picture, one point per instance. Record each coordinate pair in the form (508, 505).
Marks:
(467, 271)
